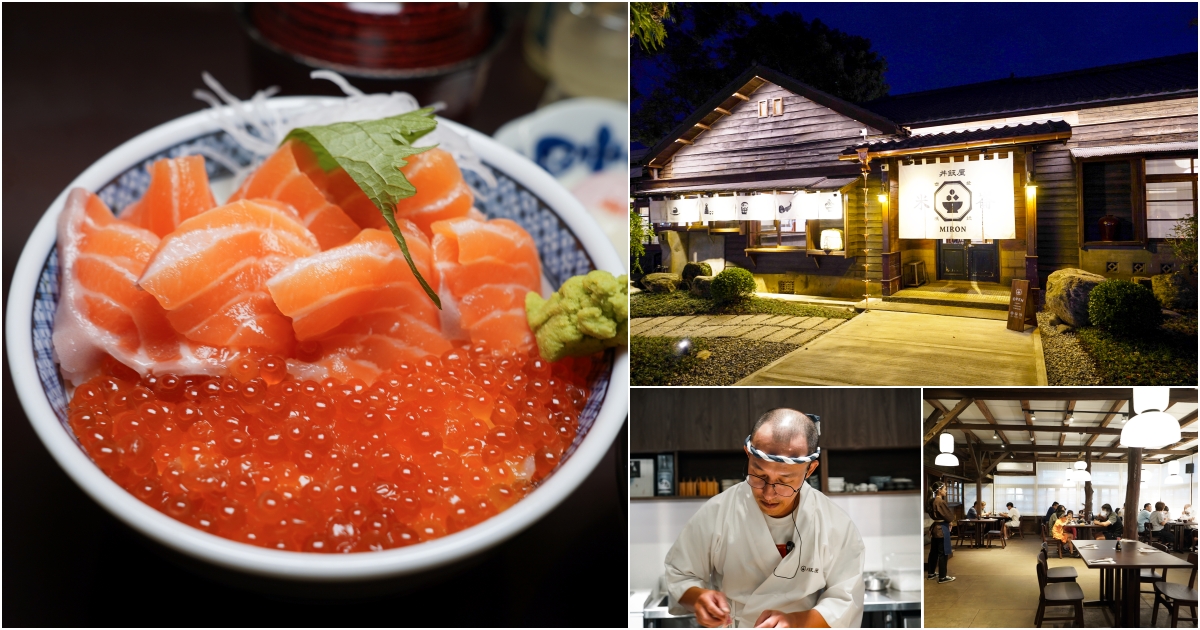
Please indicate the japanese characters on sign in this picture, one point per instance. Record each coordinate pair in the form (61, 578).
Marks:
(958, 200)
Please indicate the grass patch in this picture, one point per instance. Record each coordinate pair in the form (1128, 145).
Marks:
(684, 303)
(654, 362)
(1165, 357)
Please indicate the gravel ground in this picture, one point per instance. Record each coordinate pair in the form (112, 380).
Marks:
(1066, 361)
(732, 360)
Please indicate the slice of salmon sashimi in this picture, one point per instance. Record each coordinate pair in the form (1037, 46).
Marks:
(178, 191)
(367, 274)
(441, 192)
(287, 176)
(101, 310)
(486, 269)
(211, 273)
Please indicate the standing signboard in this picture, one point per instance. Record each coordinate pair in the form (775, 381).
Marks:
(1020, 308)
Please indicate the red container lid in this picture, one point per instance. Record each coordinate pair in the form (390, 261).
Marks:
(377, 37)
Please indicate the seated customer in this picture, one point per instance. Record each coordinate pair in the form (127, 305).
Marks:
(1143, 518)
(1014, 517)
(1050, 513)
(1059, 532)
(973, 512)
(1109, 521)
(1157, 519)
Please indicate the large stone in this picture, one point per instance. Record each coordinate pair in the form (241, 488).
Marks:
(693, 269)
(673, 250)
(1067, 293)
(1173, 290)
(660, 282)
(702, 286)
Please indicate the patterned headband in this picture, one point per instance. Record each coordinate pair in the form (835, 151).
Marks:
(784, 459)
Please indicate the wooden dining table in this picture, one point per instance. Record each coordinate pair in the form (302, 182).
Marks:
(1086, 531)
(978, 524)
(1120, 581)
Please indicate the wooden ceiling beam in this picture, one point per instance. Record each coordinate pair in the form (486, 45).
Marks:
(979, 426)
(1028, 421)
(1054, 448)
(946, 419)
(1066, 413)
(1178, 394)
(1188, 419)
(987, 414)
(1113, 411)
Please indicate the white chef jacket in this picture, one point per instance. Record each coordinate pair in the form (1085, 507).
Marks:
(727, 547)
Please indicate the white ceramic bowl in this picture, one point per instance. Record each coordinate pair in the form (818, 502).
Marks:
(569, 242)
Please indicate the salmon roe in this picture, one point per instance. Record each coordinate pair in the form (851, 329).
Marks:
(430, 448)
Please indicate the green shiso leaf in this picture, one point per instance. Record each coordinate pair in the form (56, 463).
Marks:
(372, 152)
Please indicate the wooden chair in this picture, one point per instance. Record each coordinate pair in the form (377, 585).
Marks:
(1056, 574)
(1176, 596)
(966, 531)
(1046, 541)
(996, 533)
(1058, 594)
(1014, 530)
(1150, 576)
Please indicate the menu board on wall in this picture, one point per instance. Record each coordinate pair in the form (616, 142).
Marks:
(957, 200)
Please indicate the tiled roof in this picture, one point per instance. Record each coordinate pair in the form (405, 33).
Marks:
(1140, 80)
(1008, 132)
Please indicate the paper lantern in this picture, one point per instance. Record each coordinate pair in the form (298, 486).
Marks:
(1151, 399)
(946, 443)
(831, 240)
(1153, 429)
(1080, 465)
(1173, 468)
(946, 459)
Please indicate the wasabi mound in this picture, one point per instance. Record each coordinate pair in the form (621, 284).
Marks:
(585, 316)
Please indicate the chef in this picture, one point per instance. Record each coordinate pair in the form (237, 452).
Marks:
(772, 551)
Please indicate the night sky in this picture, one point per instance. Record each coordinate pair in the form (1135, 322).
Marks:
(930, 46)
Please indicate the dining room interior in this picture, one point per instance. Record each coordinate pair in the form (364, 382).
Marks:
(1060, 507)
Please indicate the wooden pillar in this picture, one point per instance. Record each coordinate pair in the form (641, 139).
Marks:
(893, 272)
(1087, 487)
(1130, 513)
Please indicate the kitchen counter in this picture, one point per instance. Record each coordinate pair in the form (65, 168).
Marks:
(890, 599)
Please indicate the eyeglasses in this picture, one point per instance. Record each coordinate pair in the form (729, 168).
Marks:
(759, 483)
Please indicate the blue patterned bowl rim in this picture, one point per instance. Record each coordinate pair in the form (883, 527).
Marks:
(569, 243)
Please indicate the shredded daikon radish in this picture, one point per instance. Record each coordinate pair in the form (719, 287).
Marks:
(259, 129)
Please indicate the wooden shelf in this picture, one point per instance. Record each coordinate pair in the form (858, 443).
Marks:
(725, 230)
(820, 252)
(778, 249)
(668, 498)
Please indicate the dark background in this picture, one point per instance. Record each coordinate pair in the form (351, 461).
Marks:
(80, 80)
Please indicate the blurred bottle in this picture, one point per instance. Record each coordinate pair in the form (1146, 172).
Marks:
(581, 47)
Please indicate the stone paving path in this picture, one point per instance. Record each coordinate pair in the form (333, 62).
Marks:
(779, 328)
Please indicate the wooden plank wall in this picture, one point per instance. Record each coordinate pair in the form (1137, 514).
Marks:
(806, 135)
(669, 419)
(1058, 207)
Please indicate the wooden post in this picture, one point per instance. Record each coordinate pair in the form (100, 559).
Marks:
(1031, 251)
(1130, 513)
(1087, 487)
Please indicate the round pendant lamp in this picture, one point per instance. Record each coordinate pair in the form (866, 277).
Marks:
(946, 459)
(1152, 429)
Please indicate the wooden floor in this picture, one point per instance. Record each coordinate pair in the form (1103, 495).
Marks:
(998, 588)
(911, 349)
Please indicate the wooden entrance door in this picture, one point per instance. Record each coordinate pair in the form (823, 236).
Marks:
(964, 260)
(952, 259)
(983, 262)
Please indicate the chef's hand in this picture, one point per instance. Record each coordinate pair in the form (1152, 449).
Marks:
(777, 619)
(711, 607)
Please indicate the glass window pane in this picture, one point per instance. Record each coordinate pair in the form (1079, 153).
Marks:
(1169, 209)
(1106, 191)
(1169, 167)
(1160, 229)
(1164, 191)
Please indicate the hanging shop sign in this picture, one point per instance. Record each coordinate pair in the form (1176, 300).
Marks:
(755, 207)
(821, 205)
(718, 208)
(674, 211)
(957, 200)
(658, 210)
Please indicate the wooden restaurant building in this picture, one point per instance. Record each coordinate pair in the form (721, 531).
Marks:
(986, 183)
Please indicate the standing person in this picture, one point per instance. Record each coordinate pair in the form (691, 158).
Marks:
(1157, 519)
(1060, 533)
(1050, 513)
(1143, 517)
(1014, 518)
(772, 551)
(939, 541)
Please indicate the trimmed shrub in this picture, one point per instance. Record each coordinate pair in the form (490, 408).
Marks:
(732, 284)
(1123, 307)
(691, 270)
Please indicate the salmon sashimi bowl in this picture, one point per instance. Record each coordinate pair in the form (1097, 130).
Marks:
(325, 326)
